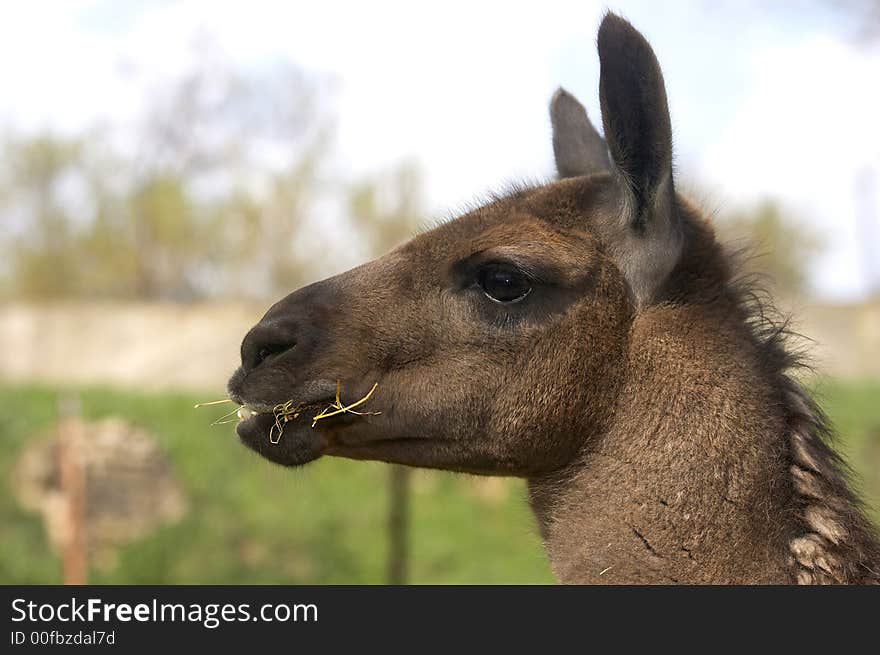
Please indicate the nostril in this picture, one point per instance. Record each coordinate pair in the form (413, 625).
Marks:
(263, 354)
(266, 341)
(267, 351)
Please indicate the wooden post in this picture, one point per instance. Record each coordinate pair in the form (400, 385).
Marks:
(398, 524)
(74, 556)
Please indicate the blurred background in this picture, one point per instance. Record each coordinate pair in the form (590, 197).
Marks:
(170, 168)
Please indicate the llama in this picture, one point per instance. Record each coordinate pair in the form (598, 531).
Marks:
(590, 336)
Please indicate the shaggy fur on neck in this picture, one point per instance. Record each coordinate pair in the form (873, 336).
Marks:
(833, 542)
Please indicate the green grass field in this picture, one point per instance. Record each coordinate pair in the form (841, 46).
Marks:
(250, 522)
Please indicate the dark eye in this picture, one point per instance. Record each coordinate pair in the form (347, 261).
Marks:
(504, 284)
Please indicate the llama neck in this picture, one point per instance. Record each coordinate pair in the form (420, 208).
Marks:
(703, 474)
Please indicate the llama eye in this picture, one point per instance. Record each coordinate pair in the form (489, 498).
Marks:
(503, 284)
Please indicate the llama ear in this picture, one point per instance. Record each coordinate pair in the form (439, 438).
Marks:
(577, 146)
(637, 128)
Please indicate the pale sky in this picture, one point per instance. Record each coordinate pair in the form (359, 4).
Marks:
(764, 102)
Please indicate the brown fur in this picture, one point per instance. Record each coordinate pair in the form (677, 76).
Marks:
(638, 386)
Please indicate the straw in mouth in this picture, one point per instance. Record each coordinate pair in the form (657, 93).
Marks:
(289, 411)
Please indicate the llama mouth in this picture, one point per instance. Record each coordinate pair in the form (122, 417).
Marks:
(295, 445)
(249, 417)
(245, 412)
(286, 433)
(252, 415)
(251, 411)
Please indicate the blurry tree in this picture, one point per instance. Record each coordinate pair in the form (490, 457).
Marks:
(256, 232)
(33, 180)
(777, 248)
(165, 233)
(210, 193)
(205, 196)
(386, 208)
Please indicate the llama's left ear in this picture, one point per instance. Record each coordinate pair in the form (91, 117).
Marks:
(577, 146)
(647, 234)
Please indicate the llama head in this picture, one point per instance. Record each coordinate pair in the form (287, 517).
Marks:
(497, 340)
